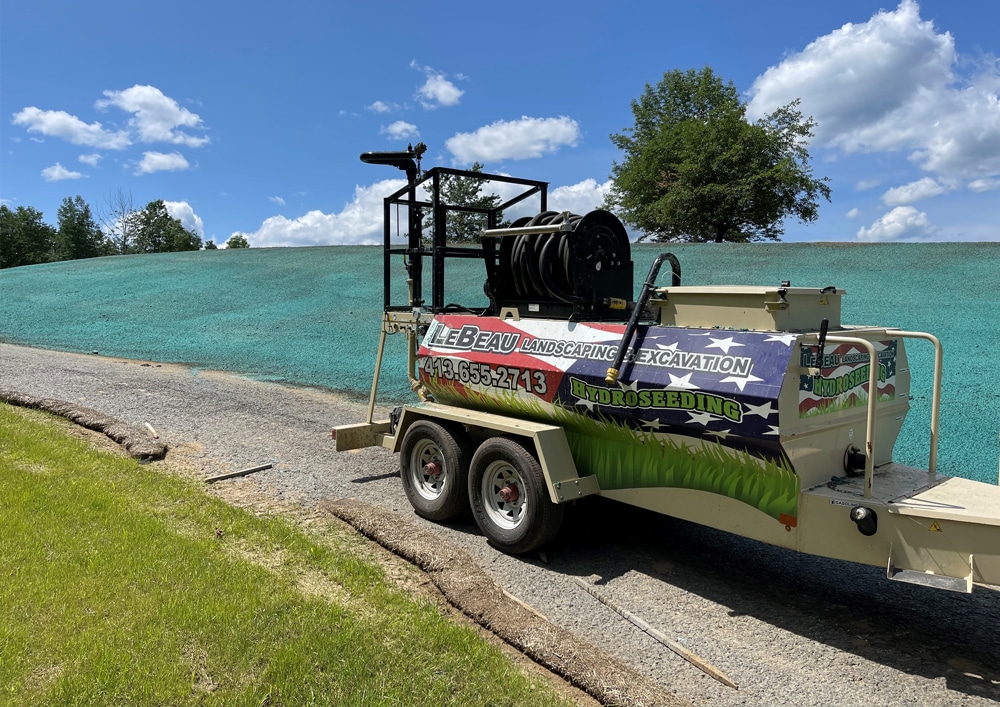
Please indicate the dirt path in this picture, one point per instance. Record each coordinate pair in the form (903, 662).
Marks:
(786, 628)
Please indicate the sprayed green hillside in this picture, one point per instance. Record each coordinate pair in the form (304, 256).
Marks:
(311, 315)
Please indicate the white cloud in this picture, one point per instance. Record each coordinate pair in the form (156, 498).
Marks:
(866, 184)
(516, 139)
(981, 185)
(853, 213)
(580, 198)
(382, 107)
(57, 173)
(57, 123)
(277, 200)
(161, 162)
(156, 119)
(183, 212)
(437, 90)
(156, 116)
(914, 191)
(892, 84)
(360, 222)
(902, 223)
(401, 130)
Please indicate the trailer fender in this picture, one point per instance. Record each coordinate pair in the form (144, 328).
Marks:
(548, 442)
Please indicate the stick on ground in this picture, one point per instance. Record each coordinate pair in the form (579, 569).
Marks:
(677, 648)
(233, 474)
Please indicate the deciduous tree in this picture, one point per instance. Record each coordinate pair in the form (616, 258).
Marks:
(159, 232)
(120, 221)
(694, 168)
(237, 240)
(24, 238)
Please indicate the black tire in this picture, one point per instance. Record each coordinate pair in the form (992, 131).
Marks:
(514, 525)
(438, 493)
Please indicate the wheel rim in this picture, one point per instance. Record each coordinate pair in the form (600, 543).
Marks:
(501, 482)
(429, 485)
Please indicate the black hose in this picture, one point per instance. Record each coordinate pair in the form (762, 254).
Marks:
(558, 270)
(532, 272)
(640, 304)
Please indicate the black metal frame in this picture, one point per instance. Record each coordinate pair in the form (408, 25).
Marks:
(439, 251)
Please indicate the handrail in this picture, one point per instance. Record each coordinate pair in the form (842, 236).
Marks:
(869, 346)
(872, 399)
(936, 398)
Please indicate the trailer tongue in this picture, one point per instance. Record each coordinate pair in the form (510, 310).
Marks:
(753, 410)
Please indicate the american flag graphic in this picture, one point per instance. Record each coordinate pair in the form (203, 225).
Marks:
(843, 379)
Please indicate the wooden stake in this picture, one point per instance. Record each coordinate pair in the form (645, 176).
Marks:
(677, 648)
(233, 474)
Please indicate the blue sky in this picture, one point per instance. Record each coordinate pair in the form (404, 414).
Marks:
(250, 117)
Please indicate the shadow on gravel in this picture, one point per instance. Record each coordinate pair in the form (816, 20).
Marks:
(370, 479)
(853, 608)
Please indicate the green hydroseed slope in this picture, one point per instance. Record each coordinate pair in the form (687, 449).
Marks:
(311, 316)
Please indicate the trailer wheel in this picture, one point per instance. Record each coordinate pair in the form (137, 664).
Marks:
(509, 499)
(434, 464)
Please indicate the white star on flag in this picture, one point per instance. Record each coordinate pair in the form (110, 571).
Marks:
(652, 424)
(664, 347)
(741, 381)
(682, 382)
(589, 404)
(701, 418)
(786, 339)
(772, 431)
(765, 410)
(721, 434)
(724, 344)
(628, 386)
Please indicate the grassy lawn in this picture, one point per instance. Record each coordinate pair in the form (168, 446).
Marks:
(121, 585)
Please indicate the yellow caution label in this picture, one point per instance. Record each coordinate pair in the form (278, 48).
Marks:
(935, 527)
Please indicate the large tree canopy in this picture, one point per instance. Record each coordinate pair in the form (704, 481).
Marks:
(694, 169)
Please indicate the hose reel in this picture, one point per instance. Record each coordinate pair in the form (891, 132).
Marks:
(560, 264)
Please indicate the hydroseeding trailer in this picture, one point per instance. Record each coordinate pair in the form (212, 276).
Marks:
(753, 410)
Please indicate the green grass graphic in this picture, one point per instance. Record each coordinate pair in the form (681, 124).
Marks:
(856, 400)
(623, 458)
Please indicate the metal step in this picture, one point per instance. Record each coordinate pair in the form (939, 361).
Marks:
(929, 579)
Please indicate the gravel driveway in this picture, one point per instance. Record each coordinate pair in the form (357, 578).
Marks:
(789, 629)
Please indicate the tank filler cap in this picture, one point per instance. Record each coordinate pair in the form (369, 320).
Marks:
(866, 520)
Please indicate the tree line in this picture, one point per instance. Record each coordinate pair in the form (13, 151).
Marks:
(121, 229)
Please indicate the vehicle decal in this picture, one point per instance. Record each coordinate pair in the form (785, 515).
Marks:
(692, 408)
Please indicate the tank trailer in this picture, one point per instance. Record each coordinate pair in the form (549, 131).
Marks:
(753, 410)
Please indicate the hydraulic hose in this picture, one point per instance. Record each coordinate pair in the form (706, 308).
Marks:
(640, 304)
